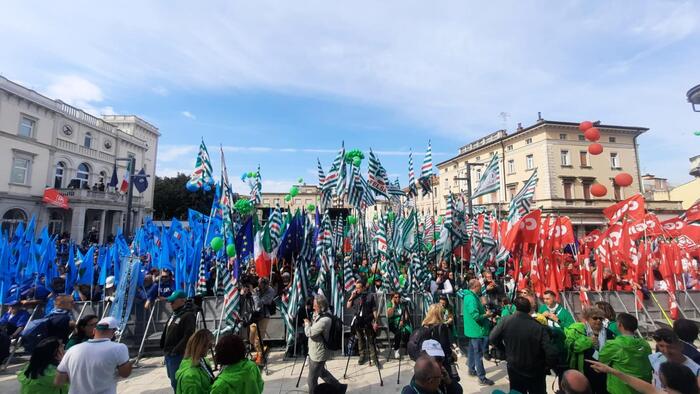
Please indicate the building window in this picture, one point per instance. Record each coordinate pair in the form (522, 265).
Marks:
(568, 190)
(55, 222)
(11, 219)
(511, 192)
(297, 201)
(58, 175)
(276, 201)
(26, 126)
(509, 147)
(562, 136)
(611, 139)
(529, 162)
(528, 141)
(565, 161)
(21, 165)
(586, 190)
(478, 174)
(617, 191)
(614, 160)
(88, 140)
(581, 137)
(511, 166)
(583, 156)
(82, 176)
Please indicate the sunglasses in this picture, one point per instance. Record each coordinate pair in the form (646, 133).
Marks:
(596, 318)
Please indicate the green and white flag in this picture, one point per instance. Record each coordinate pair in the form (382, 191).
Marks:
(202, 173)
(520, 205)
(490, 180)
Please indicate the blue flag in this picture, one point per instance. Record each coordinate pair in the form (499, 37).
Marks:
(86, 272)
(113, 181)
(244, 245)
(141, 181)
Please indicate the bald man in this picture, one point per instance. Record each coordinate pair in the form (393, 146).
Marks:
(574, 382)
(426, 377)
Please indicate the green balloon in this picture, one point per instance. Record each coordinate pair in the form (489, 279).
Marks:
(217, 243)
(697, 133)
(287, 198)
(356, 161)
(391, 216)
(352, 219)
(230, 250)
(300, 180)
(251, 174)
(294, 191)
(311, 207)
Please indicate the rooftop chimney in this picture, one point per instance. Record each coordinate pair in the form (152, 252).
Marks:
(539, 116)
(520, 126)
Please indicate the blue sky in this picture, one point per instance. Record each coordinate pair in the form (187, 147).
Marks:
(279, 83)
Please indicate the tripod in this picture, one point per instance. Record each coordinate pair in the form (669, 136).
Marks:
(350, 348)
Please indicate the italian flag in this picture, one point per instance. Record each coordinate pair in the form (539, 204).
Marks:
(263, 261)
(124, 187)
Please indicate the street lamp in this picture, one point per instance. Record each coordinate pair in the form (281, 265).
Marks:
(130, 194)
(694, 97)
(469, 183)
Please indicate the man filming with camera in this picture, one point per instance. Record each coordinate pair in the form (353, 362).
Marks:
(263, 297)
(364, 323)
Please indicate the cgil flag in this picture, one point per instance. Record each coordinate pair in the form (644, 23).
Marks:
(490, 180)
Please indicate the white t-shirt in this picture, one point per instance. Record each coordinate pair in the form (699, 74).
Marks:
(657, 359)
(92, 366)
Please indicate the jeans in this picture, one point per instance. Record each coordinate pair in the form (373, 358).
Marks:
(475, 355)
(317, 369)
(527, 384)
(172, 363)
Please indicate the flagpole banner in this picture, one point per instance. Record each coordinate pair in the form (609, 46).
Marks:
(54, 198)
(490, 180)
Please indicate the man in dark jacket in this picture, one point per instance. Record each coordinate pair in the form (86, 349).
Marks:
(178, 330)
(364, 322)
(527, 344)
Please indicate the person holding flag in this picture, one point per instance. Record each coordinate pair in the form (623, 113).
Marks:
(554, 312)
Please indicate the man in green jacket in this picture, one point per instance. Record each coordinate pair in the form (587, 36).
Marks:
(628, 354)
(554, 312)
(476, 328)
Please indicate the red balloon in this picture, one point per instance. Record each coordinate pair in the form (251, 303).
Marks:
(623, 179)
(592, 134)
(598, 190)
(595, 148)
(585, 125)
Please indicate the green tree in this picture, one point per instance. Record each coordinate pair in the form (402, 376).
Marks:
(172, 199)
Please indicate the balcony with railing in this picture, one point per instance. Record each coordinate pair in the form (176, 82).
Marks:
(82, 150)
(93, 196)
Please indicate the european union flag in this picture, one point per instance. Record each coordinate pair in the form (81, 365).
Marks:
(292, 239)
(244, 244)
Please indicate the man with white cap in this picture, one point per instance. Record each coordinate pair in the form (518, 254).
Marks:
(93, 366)
(433, 349)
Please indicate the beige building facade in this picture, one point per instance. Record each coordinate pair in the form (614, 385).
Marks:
(689, 192)
(46, 143)
(566, 171)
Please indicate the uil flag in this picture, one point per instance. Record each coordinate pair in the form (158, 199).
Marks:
(491, 179)
(124, 187)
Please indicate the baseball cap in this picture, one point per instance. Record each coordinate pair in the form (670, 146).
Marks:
(176, 295)
(109, 282)
(107, 323)
(433, 348)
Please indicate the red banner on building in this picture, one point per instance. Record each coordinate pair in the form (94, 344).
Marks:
(53, 197)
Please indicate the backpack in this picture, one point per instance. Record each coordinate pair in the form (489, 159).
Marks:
(335, 335)
(415, 341)
(34, 332)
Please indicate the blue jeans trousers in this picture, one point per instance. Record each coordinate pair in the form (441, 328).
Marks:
(475, 356)
(172, 363)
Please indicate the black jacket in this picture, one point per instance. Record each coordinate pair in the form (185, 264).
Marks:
(527, 344)
(178, 330)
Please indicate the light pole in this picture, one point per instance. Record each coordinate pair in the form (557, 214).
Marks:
(469, 184)
(131, 166)
(694, 97)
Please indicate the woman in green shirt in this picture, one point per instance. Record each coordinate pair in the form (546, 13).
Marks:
(195, 376)
(37, 377)
(238, 374)
(84, 330)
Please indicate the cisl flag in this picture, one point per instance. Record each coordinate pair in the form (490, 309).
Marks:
(53, 197)
(632, 207)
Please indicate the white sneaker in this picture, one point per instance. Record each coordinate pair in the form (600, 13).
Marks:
(397, 354)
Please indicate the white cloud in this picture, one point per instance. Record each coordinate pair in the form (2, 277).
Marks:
(160, 90)
(188, 114)
(79, 92)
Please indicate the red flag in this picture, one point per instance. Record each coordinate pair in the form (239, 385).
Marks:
(693, 213)
(525, 230)
(560, 232)
(674, 227)
(632, 207)
(53, 197)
